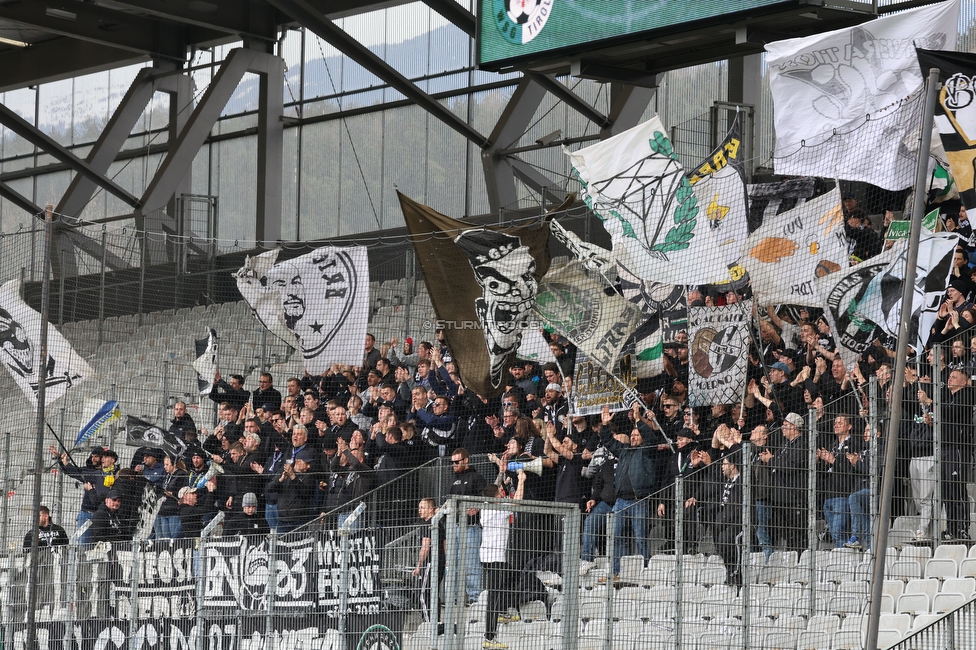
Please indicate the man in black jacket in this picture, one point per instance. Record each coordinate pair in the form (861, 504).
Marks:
(107, 524)
(295, 488)
(48, 534)
(182, 425)
(726, 517)
(233, 392)
(680, 464)
(788, 476)
(266, 396)
(958, 401)
(634, 479)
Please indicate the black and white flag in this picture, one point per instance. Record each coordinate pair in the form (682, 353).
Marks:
(20, 350)
(252, 282)
(318, 302)
(139, 433)
(205, 361)
(718, 342)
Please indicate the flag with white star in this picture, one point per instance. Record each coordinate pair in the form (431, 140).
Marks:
(321, 298)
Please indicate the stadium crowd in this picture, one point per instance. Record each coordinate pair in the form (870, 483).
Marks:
(281, 460)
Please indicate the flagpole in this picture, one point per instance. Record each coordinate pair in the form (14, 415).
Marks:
(41, 361)
(898, 377)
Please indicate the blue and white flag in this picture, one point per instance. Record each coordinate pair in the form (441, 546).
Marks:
(101, 414)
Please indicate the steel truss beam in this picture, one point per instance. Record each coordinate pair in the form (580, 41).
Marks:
(325, 29)
(45, 143)
(19, 200)
(511, 125)
(502, 166)
(571, 99)
(461, 17)
(107, 147)
(173, 169)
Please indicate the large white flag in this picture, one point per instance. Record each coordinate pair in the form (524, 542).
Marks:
(20, 350)
(882, 301)
(265, 304)
(207, 360)
(635, 184)
(789, 252)
(839, 98)
(319, 300)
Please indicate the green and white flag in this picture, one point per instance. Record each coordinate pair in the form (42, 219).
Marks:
(635, 184)
(578, 307)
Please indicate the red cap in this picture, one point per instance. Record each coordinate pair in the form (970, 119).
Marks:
(409, 341)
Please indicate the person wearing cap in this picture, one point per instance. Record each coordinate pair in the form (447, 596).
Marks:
(438, 425)
(196, 506)
(788, 482)
(950, 321)
(151, 466)
(555, 409)
(87, 476)
(231, 392)
(680, 463)
(198, 464)
(520, 381)
(247, 521)
(778, 393)
(107, 524)
(726, 517)
(294, 488)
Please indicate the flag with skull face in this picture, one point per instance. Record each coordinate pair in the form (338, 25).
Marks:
(504, 269)
(488, 300)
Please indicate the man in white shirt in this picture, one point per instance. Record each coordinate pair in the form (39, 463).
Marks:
(497, 573)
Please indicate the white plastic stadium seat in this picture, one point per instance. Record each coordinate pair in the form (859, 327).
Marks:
(941, 568)
(913, 604)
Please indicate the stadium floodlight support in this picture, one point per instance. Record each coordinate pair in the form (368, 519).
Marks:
(898, 378)
(39, 427)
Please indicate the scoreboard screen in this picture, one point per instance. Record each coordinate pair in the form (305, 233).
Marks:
(513, 30)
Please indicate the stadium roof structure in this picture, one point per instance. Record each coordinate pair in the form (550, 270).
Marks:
(47, 40)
